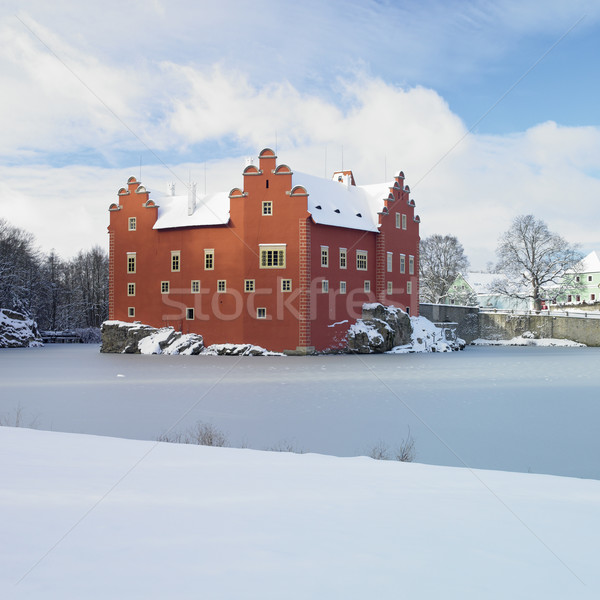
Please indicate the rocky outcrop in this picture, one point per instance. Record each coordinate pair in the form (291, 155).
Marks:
(135, 338)
(17, 330)
(380, 329)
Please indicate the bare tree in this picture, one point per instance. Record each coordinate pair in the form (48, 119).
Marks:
(534, 261)
(441, 259)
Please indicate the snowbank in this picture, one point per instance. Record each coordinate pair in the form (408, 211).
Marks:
(426, 337)
(95, 517)
(17, 330)
(528, 339)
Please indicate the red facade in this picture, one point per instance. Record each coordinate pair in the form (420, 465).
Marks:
(285, 263)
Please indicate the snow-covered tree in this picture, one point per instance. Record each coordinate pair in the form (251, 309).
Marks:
(534, 260)
(441, 259)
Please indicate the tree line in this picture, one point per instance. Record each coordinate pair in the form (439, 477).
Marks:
(536, 264)
(58, 294)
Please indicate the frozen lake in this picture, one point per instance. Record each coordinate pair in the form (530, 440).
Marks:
(515, 409)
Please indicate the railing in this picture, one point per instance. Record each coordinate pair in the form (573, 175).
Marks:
(575, 313)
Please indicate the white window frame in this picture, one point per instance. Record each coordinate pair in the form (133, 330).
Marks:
(404, 221)
(189, 314)
(390, 288)
(343, 258)
(267, 208)
(249, 286)
(131, 261)
(409, 287)
(175, 261)
(286, 285)
(325, 256)
(273, 253)
(397, 220)
(209, 259)
(403, 263)
(367, 286)
(132, 224)
(165, 287)
(325, 286)
(342, 287)
(221, 286)
(360, 256)
(411, 264)
(131, 311)
(390, 258)
(195, 283)
(261, 312)
(131, 289)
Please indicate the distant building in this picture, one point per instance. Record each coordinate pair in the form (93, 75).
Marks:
(475, 289)
(582, 284)
(285, 262)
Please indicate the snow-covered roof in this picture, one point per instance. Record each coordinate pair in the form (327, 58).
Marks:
(339, 204)
(482, 282)
(330, 202)
(211, 209)
(589, 264)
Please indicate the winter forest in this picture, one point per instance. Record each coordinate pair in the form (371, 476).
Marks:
(57, 293)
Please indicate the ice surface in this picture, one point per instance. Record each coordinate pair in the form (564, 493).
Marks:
(519, 409)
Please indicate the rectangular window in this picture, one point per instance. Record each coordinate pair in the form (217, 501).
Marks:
(209, 259)
(248, 285)
(592, 297)
(411, 264)
(324, 256)
(361, 260)
(324, 286)
(131, 311)
(577, 279)
(343, 258)
(272, 257)
(175, 260)
(589, 278)
(164, 287)
(578, 298)
(569, 298)
(403, 263)
(261, 313)
(286, 285)
(367, 286)
(390, 288)
(403, 221)
(342, 287)
(389, 262)
(189, 314)
(195, 286)
(222, 285)
(132, 223)
(397, 220)
(267, 208)
(131, 289)
(409, 287)
(131, 262)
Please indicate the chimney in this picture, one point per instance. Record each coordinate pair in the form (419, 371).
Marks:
(191, 199)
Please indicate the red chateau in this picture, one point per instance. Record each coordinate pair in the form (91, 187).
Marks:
(285, 263)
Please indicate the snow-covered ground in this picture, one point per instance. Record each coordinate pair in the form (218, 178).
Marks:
(528, 339)
(92, 517)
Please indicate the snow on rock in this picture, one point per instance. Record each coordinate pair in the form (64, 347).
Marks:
(238, 350)
(380, 329)
(136, 338)
(427, 337)
(17, 330)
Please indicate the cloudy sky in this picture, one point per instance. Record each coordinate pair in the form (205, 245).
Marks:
(490, 108)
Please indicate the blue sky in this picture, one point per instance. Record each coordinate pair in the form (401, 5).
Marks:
(191, 88)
